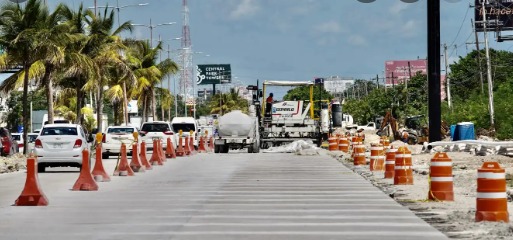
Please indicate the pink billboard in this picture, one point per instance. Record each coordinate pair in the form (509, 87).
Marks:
(398, 71)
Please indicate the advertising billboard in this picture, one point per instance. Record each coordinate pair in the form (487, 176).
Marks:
(398, 71)
(213, 74)
(498, 12)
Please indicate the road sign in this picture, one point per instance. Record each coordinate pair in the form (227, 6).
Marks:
(213, 74)
(319, 80)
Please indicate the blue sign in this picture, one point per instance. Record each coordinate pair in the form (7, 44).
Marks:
(319, 80)
(20, 128)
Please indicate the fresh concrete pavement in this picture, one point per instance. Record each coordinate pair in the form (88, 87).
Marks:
(214, 196)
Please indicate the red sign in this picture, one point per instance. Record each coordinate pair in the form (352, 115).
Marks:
(398, 71)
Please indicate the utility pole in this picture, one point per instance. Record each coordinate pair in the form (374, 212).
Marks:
(478, 57)
(449, 102)
(433, 71)
(488, 69)
(377, 81)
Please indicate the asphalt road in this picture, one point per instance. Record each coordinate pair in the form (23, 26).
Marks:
(213, 196)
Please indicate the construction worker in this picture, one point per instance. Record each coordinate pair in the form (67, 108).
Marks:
(269, 104)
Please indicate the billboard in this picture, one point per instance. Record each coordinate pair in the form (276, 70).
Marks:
(213, 74)
(398, 71)
(498, 12)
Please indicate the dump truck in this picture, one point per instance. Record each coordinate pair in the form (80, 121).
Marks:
(236, 130)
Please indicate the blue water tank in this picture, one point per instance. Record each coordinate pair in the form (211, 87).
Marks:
(453, 130)
(465, 131)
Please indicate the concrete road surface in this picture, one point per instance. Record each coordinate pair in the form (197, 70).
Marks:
(214, 196)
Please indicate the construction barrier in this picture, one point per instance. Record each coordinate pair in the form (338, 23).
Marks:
(161, 153)
(99, 173)
(85, 181)
(31, 195)
(211, 144)
(179, 150)
(155, 155)
(135, 164)
(186, 147)
(191, 144)
(386, 142)
(441, 180)
(343, 144)
(123, 169)
(144, 159)
(491, 200)
(390, 163)
(359, 155)
(332, 144)
(377, 158)
(170, 149)
(403, 174)
(201, 145)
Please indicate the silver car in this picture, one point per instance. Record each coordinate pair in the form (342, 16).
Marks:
(60, 145)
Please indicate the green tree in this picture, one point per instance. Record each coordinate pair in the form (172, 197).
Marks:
(226, 102)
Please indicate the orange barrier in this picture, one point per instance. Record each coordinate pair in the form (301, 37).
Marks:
(155, 155)
(123, 169)
(332, 144)
(144, 159)
(85, 181)
(343, 144)
(191, 145)
(161, 153)
(201, 145)
(377, 158)
(170, 149)
(211, 144)
(386, 142)
(99, 173)
(390, 163)
(180, 151)
(491, 200)
(186, 148)
(31, 195)
(135, 164)
(359, 155)
(441, 181)
(403, 174)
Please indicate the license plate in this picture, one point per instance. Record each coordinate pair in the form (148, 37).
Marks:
(57, 145)
(155, 139)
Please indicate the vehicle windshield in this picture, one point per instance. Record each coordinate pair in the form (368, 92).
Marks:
(120, 130)
(16, 137)
(32, 137)
(185, 127)
(155, 127)
(59, 131)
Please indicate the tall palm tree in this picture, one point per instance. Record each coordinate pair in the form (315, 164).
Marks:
(18, 28)
(226, 102)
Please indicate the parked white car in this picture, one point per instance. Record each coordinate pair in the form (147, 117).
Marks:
(60, 145)
(19, 138)
(156, 130)
(114, 136)
(186, 124)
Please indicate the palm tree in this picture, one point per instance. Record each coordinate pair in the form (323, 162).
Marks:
(18, 27)
(226, 102)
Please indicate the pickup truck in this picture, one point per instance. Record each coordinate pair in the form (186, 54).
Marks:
(371, 126)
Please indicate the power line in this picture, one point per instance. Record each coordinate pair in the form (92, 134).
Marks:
(461, 26)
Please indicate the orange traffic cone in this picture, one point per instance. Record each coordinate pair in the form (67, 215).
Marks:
(211, 144)
(180, 151)
(170, 149)
(99, 173)
(144, 160)
(201, 147)
(31, 194)
(186, 149)
(191, 145)
(135, 164)
(123, 169)
(162, 155)
(85, 181)
(155, 158)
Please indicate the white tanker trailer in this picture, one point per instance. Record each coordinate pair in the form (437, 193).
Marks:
(237, 130)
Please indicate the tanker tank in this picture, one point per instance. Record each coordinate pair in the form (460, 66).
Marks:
(236, 123)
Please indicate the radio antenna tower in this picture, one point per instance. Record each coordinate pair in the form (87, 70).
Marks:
(186, 79)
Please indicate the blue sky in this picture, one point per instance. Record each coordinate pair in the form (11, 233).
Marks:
(302, 39)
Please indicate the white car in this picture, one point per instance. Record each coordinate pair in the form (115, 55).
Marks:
(19, 138)
(156, 130)
(60, 145)
(114, 136)
(186, 124)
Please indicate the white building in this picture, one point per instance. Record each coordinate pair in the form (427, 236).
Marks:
(337, 84)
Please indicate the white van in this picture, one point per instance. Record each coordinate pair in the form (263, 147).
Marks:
(186, 124)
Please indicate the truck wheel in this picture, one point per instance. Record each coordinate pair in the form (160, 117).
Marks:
(250, 149)
(105, 156)
(216, 148)
(226, 149)
(256, 148)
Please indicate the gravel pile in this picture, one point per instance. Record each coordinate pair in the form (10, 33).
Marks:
(13, 163)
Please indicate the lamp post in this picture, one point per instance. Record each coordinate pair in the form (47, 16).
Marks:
(169, 81)
(151, 27)
(118, 8)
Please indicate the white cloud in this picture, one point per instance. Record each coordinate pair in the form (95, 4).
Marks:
(410, 28)
(357, 40)
(398, 7)
(329, 27)
(245, 8)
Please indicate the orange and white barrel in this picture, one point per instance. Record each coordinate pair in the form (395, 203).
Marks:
(491, 200)
(333, 144)
(403, 174)
(359, 155)
(441, 180)
(343, 144)
(377, 158)
(390, 163)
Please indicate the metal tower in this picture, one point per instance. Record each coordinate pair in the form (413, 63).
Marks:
(186, 73)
